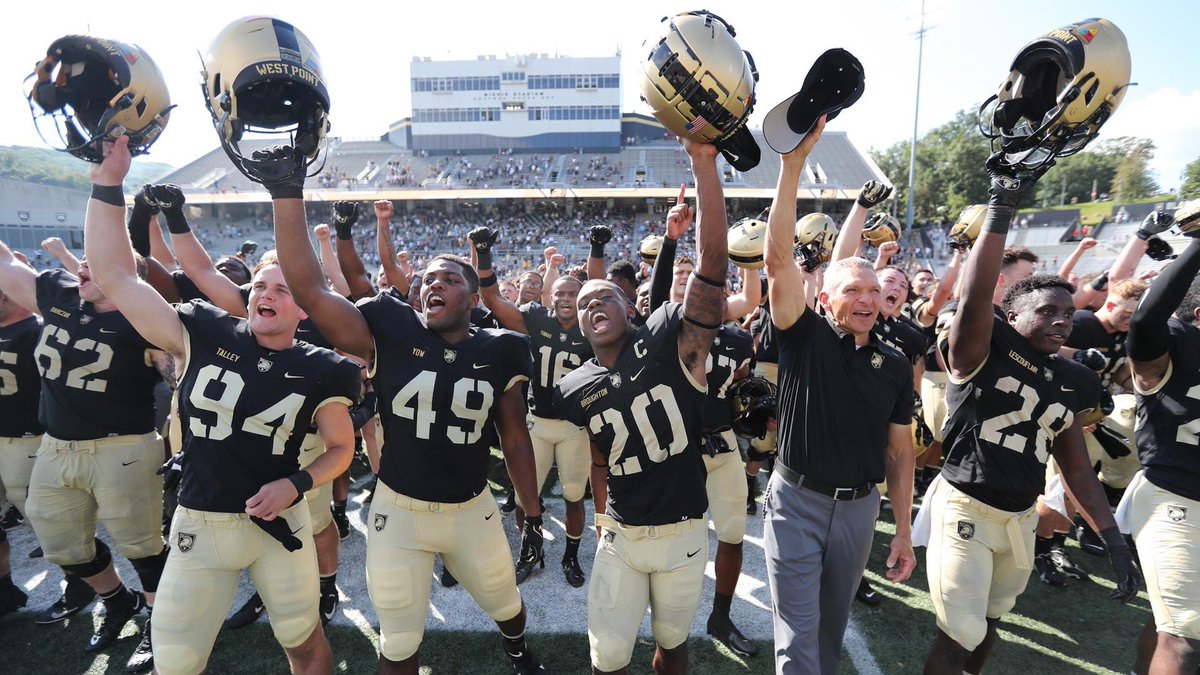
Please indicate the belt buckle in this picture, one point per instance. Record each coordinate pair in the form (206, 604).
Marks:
(838, 492)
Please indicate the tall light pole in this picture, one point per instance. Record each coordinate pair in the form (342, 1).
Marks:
(912, 148)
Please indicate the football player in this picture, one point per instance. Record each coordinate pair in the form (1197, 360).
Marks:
(642, 400)
(1011, 404)
(226, 295)
(20, 430)
(1164, 504)
(100, 453)
(558, 347)
(248, 394)
(443, 385)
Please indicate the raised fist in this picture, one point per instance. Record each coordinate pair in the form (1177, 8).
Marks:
(599, 235)
(483, 238)
(345, 215)
(322, 232)
(1011, 183)
(144, 200)
(167, 197)
(873, 192)
(888, 249)
(384, 209)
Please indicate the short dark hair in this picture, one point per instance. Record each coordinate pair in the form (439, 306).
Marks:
(1191, 302)
(1033, 284)
(926, 270)
(684, 260)
(1013, 254)
(468, 271)
(907, 279)
(579, 272)
(624, 269)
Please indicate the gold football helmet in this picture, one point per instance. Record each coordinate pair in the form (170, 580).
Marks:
(262, 76)
(747, 239)
(700, 84)
(1187, 218)
(815, 235)
(881, 228)
(649, 248)
(1062, 87)
(90, 89)
(968, 226)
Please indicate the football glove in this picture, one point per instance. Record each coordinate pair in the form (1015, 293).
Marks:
(1155, 223)
(532, 554)
(872, 193)
(1157, 249)
(345, 215)
(1093, 359)
(1124, 568)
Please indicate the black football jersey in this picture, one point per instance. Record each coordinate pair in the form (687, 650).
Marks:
(20, 382)
(245, 409)
(1088, 333)
(732, 349)
(766, 336)
(482, 317)
(645, 416)
(1002, 422)
(903, 336)
(556, 352)
(188, 290)
(97, 379)
(1168, 418)
(438, 401)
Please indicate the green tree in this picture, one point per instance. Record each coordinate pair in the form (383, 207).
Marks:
(1190, 189)
(1133, 179)
(1072, 178)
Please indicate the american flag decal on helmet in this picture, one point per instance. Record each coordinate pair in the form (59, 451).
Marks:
(696, 125)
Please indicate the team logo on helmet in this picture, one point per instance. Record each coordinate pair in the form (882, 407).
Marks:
(263, 365)
(966, 530)
(450, 355)
(185, 542)
(380, 522)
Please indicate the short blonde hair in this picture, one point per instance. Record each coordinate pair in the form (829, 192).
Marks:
(1127, 289)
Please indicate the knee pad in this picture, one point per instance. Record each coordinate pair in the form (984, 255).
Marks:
(150, 569)
(610, 652)
(400, 646)
(98, 564)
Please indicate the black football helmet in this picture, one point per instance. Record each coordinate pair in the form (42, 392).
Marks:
(754, 401)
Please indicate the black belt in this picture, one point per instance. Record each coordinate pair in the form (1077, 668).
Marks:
(836, 493)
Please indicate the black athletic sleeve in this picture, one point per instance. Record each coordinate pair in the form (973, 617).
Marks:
(664, 270)
(1149, 337)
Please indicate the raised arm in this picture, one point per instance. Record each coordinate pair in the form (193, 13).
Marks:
(849, 237)
(971, 330)
(1127, 260)
(783, 276)
(337, 319)
(553, 260)
(942, 292)
(110, 255)
(18, 280)
(886, 252)
(598, 236)
(744, 301)
(396, 274)
(1069, 264)
(704, 300)
(482, 239)
(329, 263)
(56, 248)
(345, 215)
(1149, 336)
(193, 259)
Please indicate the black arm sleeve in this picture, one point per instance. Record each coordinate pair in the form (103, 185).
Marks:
(139, 228)
(664, 270)
(1148, 333)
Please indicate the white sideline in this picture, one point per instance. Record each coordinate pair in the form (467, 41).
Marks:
(860, 655)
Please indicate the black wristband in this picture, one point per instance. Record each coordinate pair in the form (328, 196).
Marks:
(488, 281)
(109, 194)
(1100, 282)
(998, 218)
(701, 324)
(302, 480)
(597, 250)
(484, 258)
(286, 191)
(1113, 539)
(710, 282)
(176, 222)
(536, 521)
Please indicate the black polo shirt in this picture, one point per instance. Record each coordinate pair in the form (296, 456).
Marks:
(836, 401)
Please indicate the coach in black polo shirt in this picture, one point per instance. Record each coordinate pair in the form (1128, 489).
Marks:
(845, 415)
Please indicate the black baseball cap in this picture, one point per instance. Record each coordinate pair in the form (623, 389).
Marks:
(740, 149)
(834, 82)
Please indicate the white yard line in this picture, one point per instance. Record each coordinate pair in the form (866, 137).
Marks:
(860, 655)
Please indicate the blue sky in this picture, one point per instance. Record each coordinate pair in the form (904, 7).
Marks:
(366, 49)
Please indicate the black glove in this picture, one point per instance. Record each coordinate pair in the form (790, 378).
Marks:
(1157, 249)
(598, 236)
(364, 410)
(144, 209)
(1155, 223)
(531, 548)
(345, 215)
(287, 181)
(170, 200)
(1101, 282)
(918, 405)
(144, 200)
(172, 473)
(483, 239)
(1093, 359)
(1124, 568)
(1010, 184)
(248, 247)
(872, 193)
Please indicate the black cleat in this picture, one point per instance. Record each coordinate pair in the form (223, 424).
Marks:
(329, 603)
(143, 657)
(12, 519)
(572, 571)
(114, 621)
(726, 633)
(523, 661)
(12, 598)
(342, 522)
(75, 598)
(1048, 572)
(867, 595)
(247, 614)
(1064, 565)
(448, 580)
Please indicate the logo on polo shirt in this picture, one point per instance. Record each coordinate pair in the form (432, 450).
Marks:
(966, 530)
(877, 360)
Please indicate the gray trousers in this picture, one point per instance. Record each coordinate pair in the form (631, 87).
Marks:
(816, 550)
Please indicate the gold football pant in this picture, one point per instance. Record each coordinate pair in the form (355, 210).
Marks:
(113, 479)
(320, 497)
(404, 535)
(727, 491)
(1166, 528)
(16, 466)
(661, 566)
(933, 401)
(558, 442)
(208, 553)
